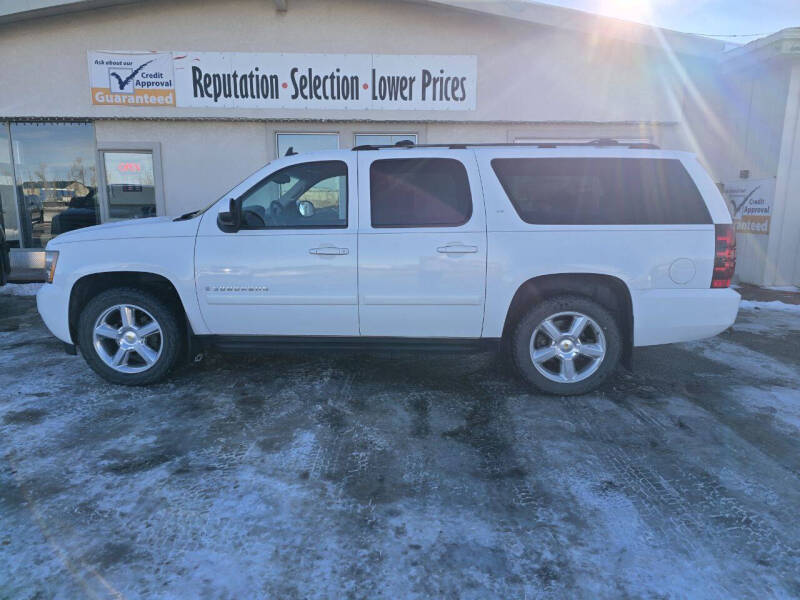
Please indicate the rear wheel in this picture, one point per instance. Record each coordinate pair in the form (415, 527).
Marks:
(129, 337)
(567, 345)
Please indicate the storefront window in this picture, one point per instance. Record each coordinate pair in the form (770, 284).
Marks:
(56, 177)
(8, 203)
(130, 184)
(306, 142)
(384, 139)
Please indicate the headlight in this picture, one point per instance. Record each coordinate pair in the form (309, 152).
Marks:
(50, 260)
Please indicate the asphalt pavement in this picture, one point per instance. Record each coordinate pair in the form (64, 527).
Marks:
(402, 476)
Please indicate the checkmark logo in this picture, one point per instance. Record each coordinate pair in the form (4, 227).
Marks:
(125, 76)
(736, 208)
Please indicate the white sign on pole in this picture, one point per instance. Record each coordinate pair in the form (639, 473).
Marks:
(275, 80)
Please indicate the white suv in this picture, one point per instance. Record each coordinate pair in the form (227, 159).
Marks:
(570, 254)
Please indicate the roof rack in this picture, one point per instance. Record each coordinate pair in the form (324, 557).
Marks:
(598, 143)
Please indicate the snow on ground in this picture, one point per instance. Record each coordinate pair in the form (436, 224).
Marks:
(771, 305)
(20, 289)
(394, 476)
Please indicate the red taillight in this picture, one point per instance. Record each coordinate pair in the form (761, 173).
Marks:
(724, 256)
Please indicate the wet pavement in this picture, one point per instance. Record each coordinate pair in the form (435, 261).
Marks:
(397, 476)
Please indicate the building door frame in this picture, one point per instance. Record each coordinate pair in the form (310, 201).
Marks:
(154, 148)
(19, 205)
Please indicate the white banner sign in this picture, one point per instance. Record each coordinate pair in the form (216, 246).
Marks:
(261, 80)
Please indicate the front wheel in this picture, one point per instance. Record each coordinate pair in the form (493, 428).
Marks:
(129, 337)
(567, 345)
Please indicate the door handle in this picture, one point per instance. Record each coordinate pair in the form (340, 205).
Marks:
(329, 251)
(457, 249)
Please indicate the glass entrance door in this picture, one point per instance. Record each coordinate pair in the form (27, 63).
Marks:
(130, 184)
(56, 179)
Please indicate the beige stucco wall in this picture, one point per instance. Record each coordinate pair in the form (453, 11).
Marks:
(783, 250)
(526, 72)
(534, 82)
(741, 119)
(201, 160)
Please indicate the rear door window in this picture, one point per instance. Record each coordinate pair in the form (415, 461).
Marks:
(601, 191)
(419, 192)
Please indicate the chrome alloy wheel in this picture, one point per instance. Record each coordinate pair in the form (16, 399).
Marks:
(127, 338)
(567, 347)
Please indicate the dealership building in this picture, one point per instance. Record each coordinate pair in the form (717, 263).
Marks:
(113, 109)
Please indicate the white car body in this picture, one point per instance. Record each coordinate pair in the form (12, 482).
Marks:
(431, 282)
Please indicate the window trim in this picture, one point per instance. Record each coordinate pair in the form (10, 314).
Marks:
(433, 226)
(280, 133)
(244, 195)
(519, 213)
(158, 176)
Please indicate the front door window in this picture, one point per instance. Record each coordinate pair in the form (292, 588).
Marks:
(306, 195)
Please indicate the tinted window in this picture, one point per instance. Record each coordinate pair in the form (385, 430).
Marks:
(419, 192)
(601, 191)
(282, 199)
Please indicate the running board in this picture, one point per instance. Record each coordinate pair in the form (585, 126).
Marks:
(249, 343)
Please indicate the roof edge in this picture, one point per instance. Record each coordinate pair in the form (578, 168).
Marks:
(528, 11)
(23, 10)
(781, 44)
(589, 23)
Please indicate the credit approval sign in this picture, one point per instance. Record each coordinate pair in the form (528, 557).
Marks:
(750, 201)
(277, 80)
(131, 78)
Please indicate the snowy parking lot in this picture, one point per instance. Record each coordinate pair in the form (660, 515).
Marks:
(380, 476)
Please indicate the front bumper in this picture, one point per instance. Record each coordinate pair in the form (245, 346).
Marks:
(52, 301)
(681, 315)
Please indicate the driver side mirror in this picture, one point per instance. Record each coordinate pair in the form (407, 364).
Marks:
(305, 208)
(231, 221)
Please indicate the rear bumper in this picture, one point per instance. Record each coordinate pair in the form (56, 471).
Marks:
(53, 305)
(667, 316)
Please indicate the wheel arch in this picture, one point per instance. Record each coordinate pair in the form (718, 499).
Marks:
(88, 286)
(610, 291)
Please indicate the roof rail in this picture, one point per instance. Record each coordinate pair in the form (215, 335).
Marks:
(598, 143)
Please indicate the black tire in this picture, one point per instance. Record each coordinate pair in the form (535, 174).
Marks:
(524, 330)
(172, 335)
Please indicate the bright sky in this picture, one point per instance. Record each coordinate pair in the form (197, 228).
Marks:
(700, 16)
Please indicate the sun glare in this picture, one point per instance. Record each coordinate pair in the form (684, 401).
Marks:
(631, 10)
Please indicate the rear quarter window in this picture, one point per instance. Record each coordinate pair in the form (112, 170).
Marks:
(601, 191)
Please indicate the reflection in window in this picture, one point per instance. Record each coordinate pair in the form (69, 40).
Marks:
(306, 142)
(306, 195)
(56, 178)
(8, 202)
(380, 139)
(130, 185)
